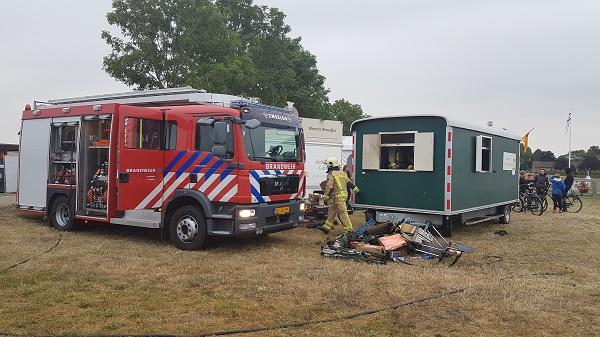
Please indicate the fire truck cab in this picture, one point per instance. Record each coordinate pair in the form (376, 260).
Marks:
(191, 163)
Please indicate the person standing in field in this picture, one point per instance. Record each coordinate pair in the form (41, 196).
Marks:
(569, 180)
(541, 182)
(558, 192)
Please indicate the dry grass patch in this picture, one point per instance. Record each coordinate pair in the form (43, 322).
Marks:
(105, 279)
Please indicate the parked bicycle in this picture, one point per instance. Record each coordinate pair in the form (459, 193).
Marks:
(544, 194)
(529, 200)
(573, 203)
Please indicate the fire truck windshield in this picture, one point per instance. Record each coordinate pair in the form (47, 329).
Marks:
(271, 142)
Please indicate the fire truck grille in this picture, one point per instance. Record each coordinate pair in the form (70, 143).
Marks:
(279, 185)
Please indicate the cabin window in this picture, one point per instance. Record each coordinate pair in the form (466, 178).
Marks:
(398, 151)
(142, 133)
(483, 156)
(205, 139)
(170, 135)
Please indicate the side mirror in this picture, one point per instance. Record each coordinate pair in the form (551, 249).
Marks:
(252, 123)
(208, 121)
(220, 132)
(219, 150)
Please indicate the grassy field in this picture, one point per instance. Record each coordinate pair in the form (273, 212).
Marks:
(542, 279)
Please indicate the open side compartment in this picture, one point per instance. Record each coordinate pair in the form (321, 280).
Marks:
(63, 153)
(94, 166)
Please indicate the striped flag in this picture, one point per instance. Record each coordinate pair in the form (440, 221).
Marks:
(568, 123)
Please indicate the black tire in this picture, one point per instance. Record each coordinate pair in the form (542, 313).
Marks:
(62, 214)
(536, 205)
(187, 228)
(447, 227)
(575, 204)
(526, 202)
(505, 218)
(544, 202)
(519, 206)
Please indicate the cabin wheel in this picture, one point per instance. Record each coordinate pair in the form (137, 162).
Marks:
(505, 218)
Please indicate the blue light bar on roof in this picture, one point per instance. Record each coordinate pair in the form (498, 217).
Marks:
(260, 106)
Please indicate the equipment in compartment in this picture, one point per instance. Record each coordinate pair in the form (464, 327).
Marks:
(64, 175)
(63, 154)
(94, 167)
(102, 139)
(97, 194)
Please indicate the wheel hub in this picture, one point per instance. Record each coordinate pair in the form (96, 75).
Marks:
(62, 215)
(187, 229)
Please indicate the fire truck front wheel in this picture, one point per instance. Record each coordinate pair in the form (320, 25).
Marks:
(187, 228)
(61, 216)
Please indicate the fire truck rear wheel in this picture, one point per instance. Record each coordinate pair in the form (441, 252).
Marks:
(61, 215)
(187, 228)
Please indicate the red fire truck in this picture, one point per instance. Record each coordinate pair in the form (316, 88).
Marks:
(191, 163)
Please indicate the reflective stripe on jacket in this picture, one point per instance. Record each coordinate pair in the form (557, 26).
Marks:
(337, 182)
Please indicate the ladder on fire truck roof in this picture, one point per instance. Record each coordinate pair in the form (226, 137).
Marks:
(171, 96)
(163, 97)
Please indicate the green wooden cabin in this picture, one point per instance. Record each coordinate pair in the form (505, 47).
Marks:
(431, 168)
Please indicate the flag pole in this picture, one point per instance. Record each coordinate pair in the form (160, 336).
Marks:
(570, 133)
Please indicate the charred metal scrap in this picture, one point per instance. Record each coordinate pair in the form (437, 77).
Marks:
(382, 242)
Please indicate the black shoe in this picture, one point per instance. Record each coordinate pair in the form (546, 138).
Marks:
(323, 229)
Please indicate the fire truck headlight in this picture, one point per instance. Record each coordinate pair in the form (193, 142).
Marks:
(302, 206)
(246, 213)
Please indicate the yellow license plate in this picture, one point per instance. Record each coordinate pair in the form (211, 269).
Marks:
(282, 210)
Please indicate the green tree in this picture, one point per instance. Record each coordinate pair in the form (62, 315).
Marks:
(526, 158)
(589, 162)
(543, 155)
(562, 162)
(577, 155)
(537, 155)
(594, 151)
(167, 43)
(346, 112)
(228, 46)
(285, 70)
(548, 156)
(591, 159)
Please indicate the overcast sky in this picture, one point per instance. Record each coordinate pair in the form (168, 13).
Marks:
(519, 63)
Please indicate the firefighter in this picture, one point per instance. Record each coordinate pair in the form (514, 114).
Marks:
(336, 195)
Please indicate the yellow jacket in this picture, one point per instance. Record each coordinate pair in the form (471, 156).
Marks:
(337, 184)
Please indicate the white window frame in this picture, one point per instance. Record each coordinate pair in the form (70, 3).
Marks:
(479, 154)
(372, 151)
(397, 145)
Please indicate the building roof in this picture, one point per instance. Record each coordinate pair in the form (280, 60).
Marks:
(9, 147)
(453, 123)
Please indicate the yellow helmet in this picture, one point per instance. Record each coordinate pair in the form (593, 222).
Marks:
(332, 162)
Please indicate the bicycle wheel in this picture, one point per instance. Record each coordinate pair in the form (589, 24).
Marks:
(536, 205)
(519, 206)
(573, 204)
(544, 202)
